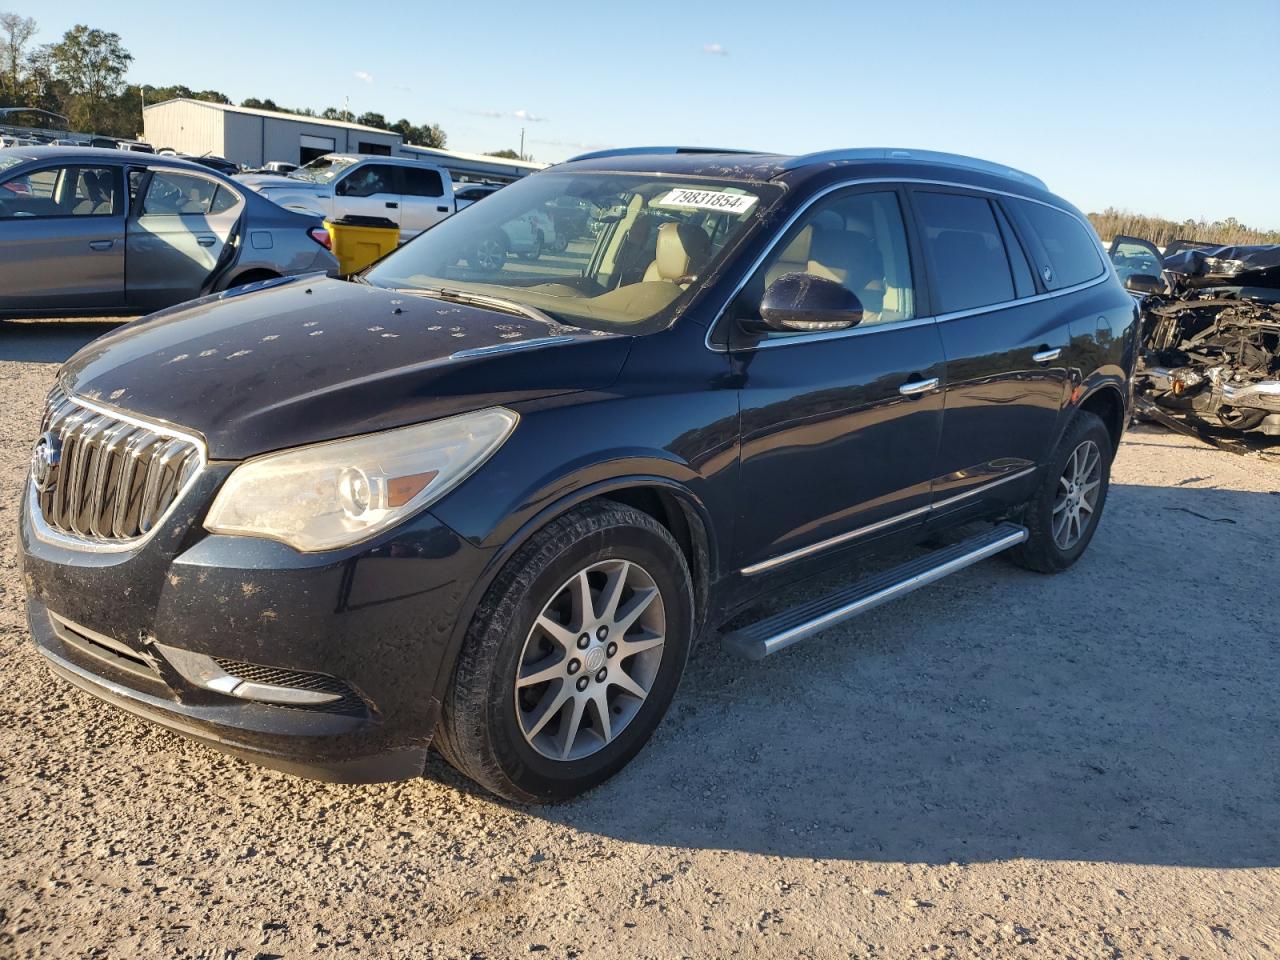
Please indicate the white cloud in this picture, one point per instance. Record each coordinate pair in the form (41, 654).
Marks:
(715, 49)
(364, 76)
(522, 115)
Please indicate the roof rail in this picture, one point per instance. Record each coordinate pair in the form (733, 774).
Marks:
(637, 151)
(917, 156)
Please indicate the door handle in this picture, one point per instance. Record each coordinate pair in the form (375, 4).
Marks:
(101, 244)
(917, 387)
(1047, 356)
(391, 205)
(442, 209)
(206, 240)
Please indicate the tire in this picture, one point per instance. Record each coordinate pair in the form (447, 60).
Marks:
(490, 253)
(1048, 550)
(487, 718)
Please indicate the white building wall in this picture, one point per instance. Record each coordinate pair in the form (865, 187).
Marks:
(185, 126)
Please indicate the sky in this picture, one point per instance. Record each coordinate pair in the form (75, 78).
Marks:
(1164, 109)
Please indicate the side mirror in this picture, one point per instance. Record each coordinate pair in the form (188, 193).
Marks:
(799, 301)
(1143, 283)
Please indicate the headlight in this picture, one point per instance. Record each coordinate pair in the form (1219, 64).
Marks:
(338, 493)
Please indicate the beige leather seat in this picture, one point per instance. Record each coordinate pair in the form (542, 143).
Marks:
(794, 259)
(682, 251)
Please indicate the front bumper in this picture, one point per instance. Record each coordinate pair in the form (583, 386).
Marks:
(378, 618)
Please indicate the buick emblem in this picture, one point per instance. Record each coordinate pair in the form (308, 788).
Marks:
(44, 457)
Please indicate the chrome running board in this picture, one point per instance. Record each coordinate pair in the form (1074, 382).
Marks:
(757, 641)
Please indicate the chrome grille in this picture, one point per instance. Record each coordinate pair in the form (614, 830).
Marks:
(112, 478)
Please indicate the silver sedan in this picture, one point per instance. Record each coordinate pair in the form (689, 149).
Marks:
(95, 230)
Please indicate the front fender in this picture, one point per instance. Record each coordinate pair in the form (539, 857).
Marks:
(576, 493)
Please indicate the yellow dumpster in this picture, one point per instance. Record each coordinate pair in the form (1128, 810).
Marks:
(358, 241)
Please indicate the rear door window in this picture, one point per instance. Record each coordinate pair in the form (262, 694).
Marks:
(178, 194)
(1069, 246)
(422, 183)
(964, 250)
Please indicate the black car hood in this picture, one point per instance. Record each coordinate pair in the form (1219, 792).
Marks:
(311, 359)
(1254, 265)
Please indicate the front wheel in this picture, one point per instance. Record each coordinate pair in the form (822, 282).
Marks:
(1063, 514)
(490, 253)
(573, 657)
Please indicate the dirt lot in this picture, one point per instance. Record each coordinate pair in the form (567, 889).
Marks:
(1004, 764)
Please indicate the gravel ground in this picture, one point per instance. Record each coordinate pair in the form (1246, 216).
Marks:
(1004, 764)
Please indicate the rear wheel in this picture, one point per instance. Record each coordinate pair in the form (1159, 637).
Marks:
(1063, 514)
(573, 657)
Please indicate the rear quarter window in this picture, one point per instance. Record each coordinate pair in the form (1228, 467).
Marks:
(1068, 244)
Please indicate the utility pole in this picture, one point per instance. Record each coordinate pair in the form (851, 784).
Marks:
(522, 143)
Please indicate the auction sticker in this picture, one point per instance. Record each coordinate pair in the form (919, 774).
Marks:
(708, 200)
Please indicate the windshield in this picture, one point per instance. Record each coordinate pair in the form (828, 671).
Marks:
(8, 160)
(601, 250)
(322, 169)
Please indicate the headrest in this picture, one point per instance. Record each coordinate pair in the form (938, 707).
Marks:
(797, 251)
(682, 250)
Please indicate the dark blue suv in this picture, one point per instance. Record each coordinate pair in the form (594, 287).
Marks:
(489, 503)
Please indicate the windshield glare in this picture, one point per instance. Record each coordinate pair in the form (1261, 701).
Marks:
(322, 169)
(620, 252)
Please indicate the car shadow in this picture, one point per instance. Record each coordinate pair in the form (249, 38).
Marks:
(49, 341)
(1122, 711)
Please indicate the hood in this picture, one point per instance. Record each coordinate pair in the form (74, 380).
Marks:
(1255, 265)
(277, 181)
(302, 360)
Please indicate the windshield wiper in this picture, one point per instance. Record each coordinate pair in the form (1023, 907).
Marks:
(454, 295)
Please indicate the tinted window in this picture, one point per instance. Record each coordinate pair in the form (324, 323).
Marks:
(177, 194)
(422, 183)
(856, 240)
(966, 255)
(1073, 255)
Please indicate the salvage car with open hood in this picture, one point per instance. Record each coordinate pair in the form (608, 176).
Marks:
(1211, 338)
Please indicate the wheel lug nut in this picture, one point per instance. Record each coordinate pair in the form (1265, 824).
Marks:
(611, 649)
(584, 641)
(602, 633)
(574, 667)
(582, 683)
(603, 672)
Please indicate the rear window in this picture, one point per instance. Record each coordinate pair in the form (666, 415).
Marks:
(966, 255)
(1069, 245)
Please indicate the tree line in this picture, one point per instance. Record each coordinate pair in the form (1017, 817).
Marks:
(1229, 232)
(82, 77)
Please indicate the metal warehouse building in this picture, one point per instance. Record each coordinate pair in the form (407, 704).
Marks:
(254, 137)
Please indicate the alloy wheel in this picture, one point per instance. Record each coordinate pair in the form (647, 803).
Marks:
(1077, 499)
(590, 660)
(489, 254)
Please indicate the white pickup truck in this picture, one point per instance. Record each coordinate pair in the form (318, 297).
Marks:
(412, 194)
